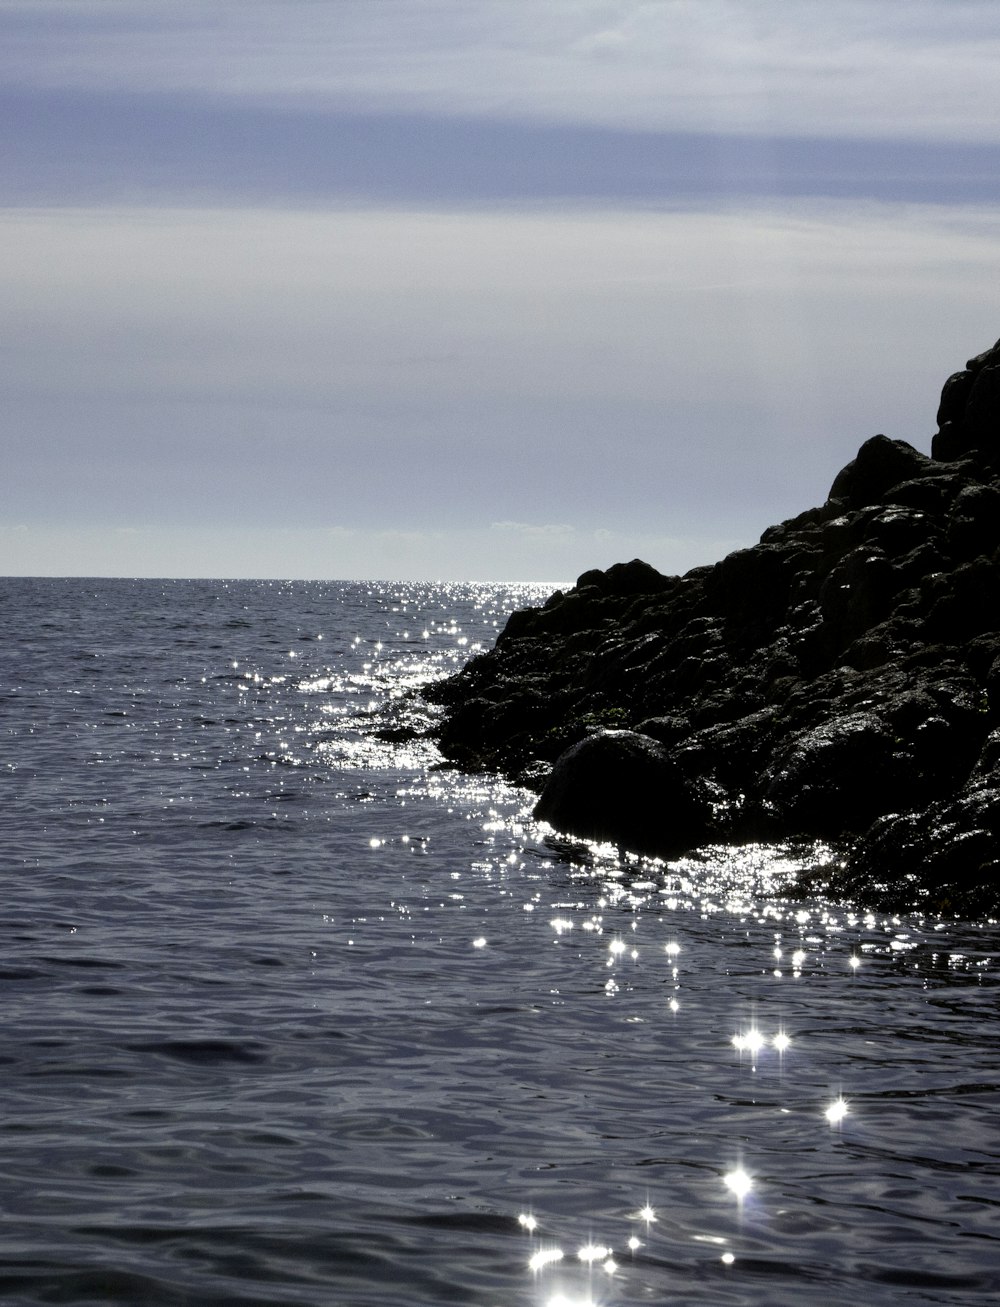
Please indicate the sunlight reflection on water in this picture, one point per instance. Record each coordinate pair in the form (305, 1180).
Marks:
(739, 891)
(293, 1016)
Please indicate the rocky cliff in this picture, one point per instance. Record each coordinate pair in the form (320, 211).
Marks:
(838, 680)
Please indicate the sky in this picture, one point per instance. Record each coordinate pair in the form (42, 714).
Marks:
(505, 290)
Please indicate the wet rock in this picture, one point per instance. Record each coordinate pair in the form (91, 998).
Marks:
(942, 858)
(821, 782)
(624, 787)
(840, 678)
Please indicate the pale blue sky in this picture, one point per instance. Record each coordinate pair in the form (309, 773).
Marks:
(424, 288)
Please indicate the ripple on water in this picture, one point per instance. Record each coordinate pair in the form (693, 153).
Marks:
(293, 1017)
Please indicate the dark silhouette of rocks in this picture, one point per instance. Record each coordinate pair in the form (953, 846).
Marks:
(625, 786)
(840, 680)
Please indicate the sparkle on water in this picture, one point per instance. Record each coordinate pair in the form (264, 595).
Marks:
(593, 1252)
(620, 942)
(738, 1182)
(544, 1257)
(836, 1112)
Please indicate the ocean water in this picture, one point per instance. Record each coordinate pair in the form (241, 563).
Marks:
(291, 1015)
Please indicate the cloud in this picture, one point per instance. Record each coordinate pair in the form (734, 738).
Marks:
(382, 365)
(609, 41)
(659, 377)
(439, 102)
(107, 147)
(847, 68)
(547, 531)
(329, 288)
(113, 148)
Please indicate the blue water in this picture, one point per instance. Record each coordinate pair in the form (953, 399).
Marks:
(292, 1015)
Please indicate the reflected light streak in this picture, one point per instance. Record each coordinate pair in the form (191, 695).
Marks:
(781, 1041)
(593, 1252)
(527, 1222)
(544, 1257)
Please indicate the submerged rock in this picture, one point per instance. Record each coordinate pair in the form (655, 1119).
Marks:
(840, 679)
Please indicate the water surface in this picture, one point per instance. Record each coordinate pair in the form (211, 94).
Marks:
(294, 1016)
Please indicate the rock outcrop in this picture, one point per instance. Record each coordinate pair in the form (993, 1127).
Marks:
(838, 680)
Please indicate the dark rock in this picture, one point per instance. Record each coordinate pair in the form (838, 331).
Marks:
(624, 787)
(856, 593)
(880, 464)
(969, 413)
(943, 858)
(634, 578)
(954, 397)
(929, 494)
(980, 417)
(820, 783)
(839, 679)
(972, 522)
(520, 622)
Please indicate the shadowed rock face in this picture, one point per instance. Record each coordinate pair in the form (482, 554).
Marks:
(625, 787)
(969, 413)
(840, 680)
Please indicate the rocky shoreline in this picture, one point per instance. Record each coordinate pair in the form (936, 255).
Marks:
(839, 680)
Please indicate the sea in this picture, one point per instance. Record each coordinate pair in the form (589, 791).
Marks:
(295, 1014)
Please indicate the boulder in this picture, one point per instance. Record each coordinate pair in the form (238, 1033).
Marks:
(634, 578)
(880, 464)
(623, 787)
